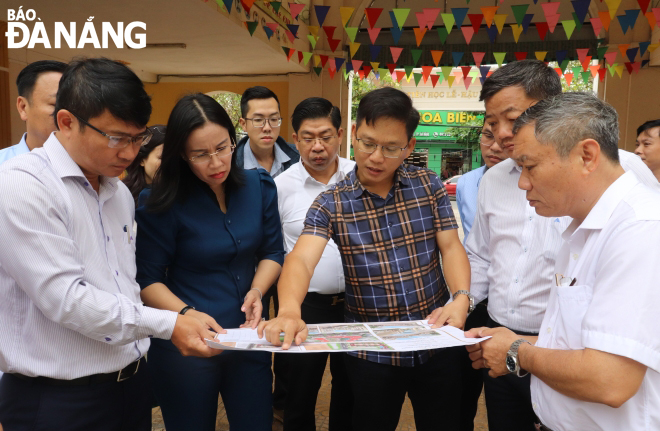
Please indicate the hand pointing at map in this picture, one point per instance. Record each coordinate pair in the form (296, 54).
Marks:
(295, 330)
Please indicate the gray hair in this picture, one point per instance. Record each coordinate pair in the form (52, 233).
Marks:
(568, 118)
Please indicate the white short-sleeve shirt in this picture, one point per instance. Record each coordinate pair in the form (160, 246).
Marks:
(614, 255)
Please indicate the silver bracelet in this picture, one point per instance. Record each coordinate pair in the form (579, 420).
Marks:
(261, 296)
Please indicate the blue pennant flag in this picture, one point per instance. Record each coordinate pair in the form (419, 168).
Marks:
(374, 50)
(492, 33)
(457, 56)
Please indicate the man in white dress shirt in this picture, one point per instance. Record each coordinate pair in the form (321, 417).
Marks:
(596, 361)
(512, 249)
(37, 87)
(74, 331)
(317, 135)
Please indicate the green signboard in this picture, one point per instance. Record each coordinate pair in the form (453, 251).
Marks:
(434, 125)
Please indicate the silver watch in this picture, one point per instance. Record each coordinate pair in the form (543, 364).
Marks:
(470, 297)
(512, 363)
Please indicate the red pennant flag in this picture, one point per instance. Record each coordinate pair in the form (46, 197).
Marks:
(478, 57)
(610, 57)
(272, 25)
(520, 55)
(468, 32)
(372, 15)
(437, 55)
(467, 81)
(582, 54)
(300, 56)
(296, 8)
(586, 63)
(569, 78)
(367, 70)
(434, 79)
(334, 43)
(431, 16)
(247, 5)
(396, 52)
(426, 72)
(391, 67)
(550, 9)
(629, 67)
(552, 22)
(466, 70)
(421, 19)
(290, 35)
(360, 73)
(399, 75)
(329, 31)
(559, 71)
(601, 74)
(475, 19)
(357, 64)
(291, 51)
(594, 70)
(542, 28)
(644, 5)
(332, 73)
(636, 66)
(324, 59)
(373, 34)
(597, 25)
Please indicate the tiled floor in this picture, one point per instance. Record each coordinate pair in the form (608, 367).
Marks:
(406, 423)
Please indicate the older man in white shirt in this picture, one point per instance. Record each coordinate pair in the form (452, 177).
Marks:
(596, 361)
(317, 135)
(512, 249)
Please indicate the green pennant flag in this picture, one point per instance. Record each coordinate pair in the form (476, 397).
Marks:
(442, 34)
(564, 64)
(601, 51)
(401, 15)
(499, 57)
(416, 53)
(446, 70)
(318, 70)
(345, 72)
(408, 70)
(252, 26)
(352, 32)
(585, 77)
(418, 77)
(519, 12)
(569, 26)
(312, 40)
(276, 5)
(448, 20)
(612, 68)
(576, 70)
(306, 57)
(578, 23)
(382, 72)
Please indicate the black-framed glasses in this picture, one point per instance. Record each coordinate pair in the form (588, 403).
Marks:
(389, 151)
(224, 151)
(322, 139)
(120, 141)
(261, 122)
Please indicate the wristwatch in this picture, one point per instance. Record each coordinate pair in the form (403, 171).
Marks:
(512, 363)
(470, 297)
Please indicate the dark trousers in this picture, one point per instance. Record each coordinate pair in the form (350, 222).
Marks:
(109, 406)
(306, 372)
(434, 389)
(187, 389)
(508, 399)
(472, 380)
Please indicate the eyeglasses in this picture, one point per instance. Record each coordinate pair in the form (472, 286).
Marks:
(120, 141)
(224, 151)
(322, 139)
(391, 152)
(487, 139)
(261, 122)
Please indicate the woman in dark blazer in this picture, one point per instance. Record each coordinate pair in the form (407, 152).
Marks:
(205, 226)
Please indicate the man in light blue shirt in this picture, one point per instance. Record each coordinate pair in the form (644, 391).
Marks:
(468, 185)
(37, 87)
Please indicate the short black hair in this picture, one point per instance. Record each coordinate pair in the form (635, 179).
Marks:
(90, 86)
(648, 125)
(257, 92)
(27, 78)
(388, 102)
(535, 77)
(174, 179)
(134, 179)
(313, 108)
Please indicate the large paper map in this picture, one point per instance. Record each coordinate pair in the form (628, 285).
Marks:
(345, 337)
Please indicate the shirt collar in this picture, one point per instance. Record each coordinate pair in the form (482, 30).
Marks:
(250, 161)
(22, 145)
(400, 178)
(602, 211)
(65, 166)
(340, 173)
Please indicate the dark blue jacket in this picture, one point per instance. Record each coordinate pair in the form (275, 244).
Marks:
(289, 149)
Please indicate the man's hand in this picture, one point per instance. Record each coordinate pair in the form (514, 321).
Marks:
(252, 308)
(188, 336)
(295, 330)
(206, 320)
(492, 352)
(452, 314)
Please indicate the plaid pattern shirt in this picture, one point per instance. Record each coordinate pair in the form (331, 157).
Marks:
(389, 250)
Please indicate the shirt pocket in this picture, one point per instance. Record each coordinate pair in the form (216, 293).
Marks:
(573, 304)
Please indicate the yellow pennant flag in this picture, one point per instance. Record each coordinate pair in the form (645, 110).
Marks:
(345, 13)
(540, 55)
(450, 80)
(353, 48)
(517, 31)
(314, 29)
(500, 19)
(317, 60)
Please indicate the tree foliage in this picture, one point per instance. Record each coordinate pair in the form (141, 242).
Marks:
(577, 82)
(363, 86)
(470, 133)
(232, 104)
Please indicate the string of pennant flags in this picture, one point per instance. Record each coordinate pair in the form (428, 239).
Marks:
(475, 64)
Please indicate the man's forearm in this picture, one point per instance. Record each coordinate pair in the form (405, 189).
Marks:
(293, 285)
(456, 268)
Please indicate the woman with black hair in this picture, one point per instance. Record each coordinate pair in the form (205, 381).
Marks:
(204, 227)
(140, 174)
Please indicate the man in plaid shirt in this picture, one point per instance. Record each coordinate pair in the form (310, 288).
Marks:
(392, 223)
